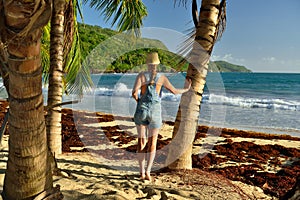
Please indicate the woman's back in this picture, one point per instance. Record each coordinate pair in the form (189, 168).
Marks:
(150, 83)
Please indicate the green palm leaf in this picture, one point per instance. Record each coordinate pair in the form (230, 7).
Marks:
(77, 78)
(127, 15)
(45, 52)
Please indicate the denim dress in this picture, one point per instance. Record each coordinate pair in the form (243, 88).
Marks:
(148, 109)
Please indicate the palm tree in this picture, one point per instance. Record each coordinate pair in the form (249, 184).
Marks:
(209, 27)
(129, 16)
(28, 171)
(55, 88)
(66, 73)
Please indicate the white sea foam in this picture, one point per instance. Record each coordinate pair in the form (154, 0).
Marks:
(121, 90)
(266, 103)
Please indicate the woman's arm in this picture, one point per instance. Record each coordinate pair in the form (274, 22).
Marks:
(171, 88)
(136, 87)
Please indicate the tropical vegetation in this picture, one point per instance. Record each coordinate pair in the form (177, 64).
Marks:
(92, 36)
(29, 173)
(224, 66)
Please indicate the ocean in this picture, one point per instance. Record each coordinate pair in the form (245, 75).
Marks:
(264, 102)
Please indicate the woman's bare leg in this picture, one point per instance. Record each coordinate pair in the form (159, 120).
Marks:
(152, 141)
(141, 149)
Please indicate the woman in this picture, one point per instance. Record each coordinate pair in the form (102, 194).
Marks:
(148, 111)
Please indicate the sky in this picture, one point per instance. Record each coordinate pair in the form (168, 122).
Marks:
(262, 35)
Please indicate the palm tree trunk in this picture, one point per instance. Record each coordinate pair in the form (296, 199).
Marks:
(28, 171)
(180, 150)
(55, 78)
(3, 57)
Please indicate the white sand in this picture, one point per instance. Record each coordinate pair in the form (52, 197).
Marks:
(86, 176)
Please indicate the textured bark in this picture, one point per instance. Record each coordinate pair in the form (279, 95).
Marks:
(180, 150)
(28, 171)
(55, 78)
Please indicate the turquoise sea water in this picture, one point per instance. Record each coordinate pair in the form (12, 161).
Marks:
(267, 102)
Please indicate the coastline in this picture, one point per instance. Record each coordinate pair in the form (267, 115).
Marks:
(239, 164)
(250, 105)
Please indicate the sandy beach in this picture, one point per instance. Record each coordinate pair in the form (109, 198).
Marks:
(99, 162)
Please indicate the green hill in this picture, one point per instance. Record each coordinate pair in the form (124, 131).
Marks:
(223, 66)
(106, 50)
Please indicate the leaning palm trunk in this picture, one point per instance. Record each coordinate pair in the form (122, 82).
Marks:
(28, 171)
(55, 78)
(180, 150)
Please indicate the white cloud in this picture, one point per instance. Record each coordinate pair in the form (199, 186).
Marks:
(269, 59)
(228, 58)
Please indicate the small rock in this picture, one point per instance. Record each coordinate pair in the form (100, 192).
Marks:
(163, 196)
(150, 192)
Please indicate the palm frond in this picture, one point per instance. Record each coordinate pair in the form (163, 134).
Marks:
(127, 15)
(186, 47)
(188, 44)
(78, 8)
(195, 13)
(72, 54)
(221, 21)
(45, 52)
(181, 3)
(77, 79)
